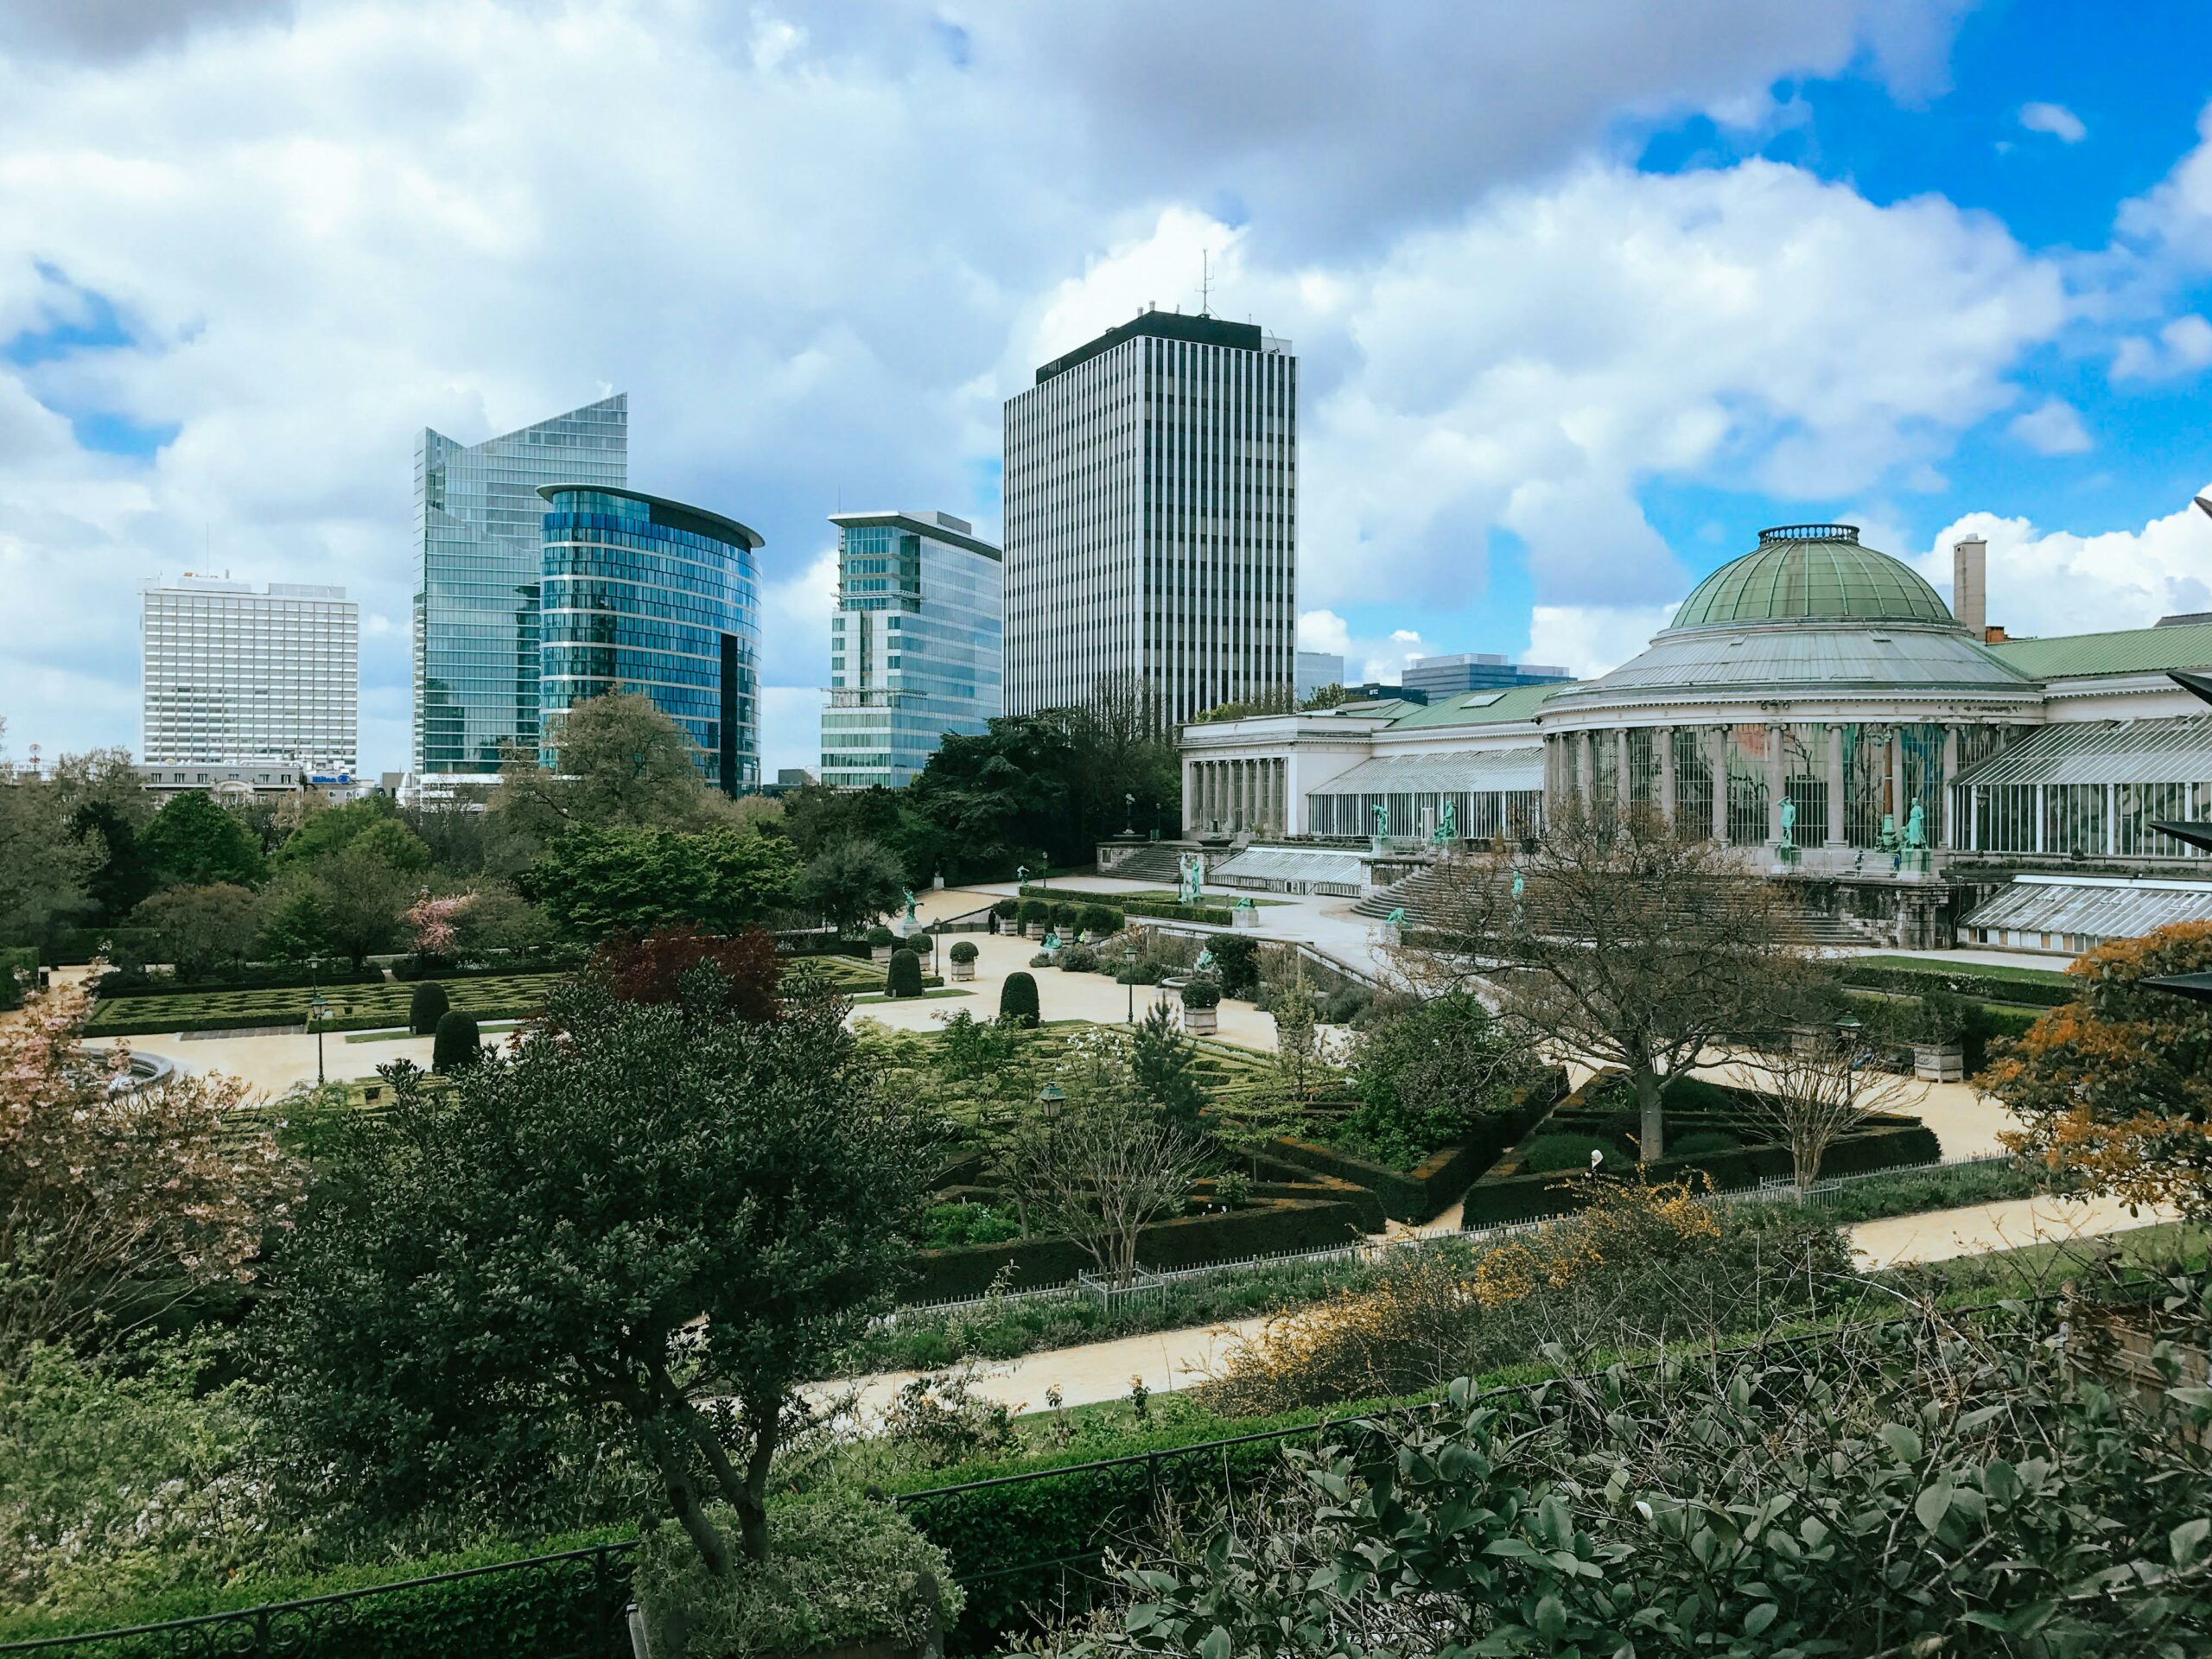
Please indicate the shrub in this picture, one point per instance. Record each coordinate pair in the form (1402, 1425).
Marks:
(1078, 959)
(905, 977)
(457, 1043)
(843, 1575)
(1007, 909)
(948, 1225)
(427, 1007)
(1042, 959)
(1018, 1001)
(1035, 912)
(1428, 1077)
(1100, 919)
(1237, 959)
(1202, 994)
(920, 942)
(879, 937)
(1344, 1006)
(1569, 1151)
(1698, 1141)
(964, 951)
(653, 969)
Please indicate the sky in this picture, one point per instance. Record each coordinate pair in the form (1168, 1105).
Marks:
(1585, 293)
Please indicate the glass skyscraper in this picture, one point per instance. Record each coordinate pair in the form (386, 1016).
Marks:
(637, 593)
(1152, 518)
(913, 643)
(477, 532)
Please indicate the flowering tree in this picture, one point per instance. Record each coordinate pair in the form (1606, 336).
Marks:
(115, 1203)
(2116, 1085)
(431, 922)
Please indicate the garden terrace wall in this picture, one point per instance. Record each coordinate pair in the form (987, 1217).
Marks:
(1187, 1241)
(1963, 982)
(1445, 1175)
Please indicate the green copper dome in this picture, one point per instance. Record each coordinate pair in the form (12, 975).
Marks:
(1807, 572)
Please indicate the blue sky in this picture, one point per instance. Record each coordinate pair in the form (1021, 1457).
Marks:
(1584, 295)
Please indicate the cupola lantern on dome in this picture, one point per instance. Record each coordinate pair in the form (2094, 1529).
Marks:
(1812, 573)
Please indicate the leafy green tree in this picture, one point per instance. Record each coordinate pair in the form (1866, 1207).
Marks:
(618, 763)
(596, 884)
(497, 920)
(323, 829)
(1426, 1078)
(852, 882)
(364, 897)
(200, 929)
(194, 842)
(43, 868)
(295, 925)
(108, 808)
(659, 1210)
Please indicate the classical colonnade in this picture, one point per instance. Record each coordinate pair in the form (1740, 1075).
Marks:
(1250, 794)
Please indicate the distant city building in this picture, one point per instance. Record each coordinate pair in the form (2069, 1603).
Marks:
(477, 544)
(1151, 485)
(243, 780)
(793, 777)
(639, 593)
(233, 673)
(1317, 669)
(914, 645)
(1440, 677)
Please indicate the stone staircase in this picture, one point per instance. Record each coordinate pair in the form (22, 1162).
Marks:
(1422, 895)
(1147, 863)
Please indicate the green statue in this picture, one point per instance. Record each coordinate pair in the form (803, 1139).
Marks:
(909, 892)
(1915, 826)
(1381, 812)
(1204, 964)
(1789, 825)
(1245, 903)
(1397, 918)
(1447, 826)
(1052, 940)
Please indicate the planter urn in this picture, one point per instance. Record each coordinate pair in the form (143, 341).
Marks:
(963, 970)
(1940, 1061)
(881, 952)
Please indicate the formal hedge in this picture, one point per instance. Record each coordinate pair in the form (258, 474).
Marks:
(813, 942)
(1978, 984)
(429, 1005)
(375, 1007)
(1158, 910)
(1883, 1144)
(278, 976)
(556, 1608)
(1445, 1175)
(1018, 999)
(458, 1042)
(1262, 1228)
(903, 977)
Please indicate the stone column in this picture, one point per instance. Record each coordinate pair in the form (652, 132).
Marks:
(1585, 769)
(1662, 739)
(1623, 794)
(1719, 740)
(1777, 781)
(1947, 833)
(1897, 802)
(1835, 785)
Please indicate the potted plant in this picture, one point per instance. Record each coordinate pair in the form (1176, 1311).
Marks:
(882, 941)
(1036, 915)
(1002, 915)
(1201, 1001)
(964, 959)
(920, 943)
(1938, 1032)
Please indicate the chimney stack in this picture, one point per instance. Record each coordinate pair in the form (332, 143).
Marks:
(1970, 584)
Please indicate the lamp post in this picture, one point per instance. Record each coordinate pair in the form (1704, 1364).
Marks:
(1130, 977)
(1052, 1098)
(318, 1011)
(1849, 1028)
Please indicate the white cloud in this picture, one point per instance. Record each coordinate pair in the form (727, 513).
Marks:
(2184, 346)
(2056, 119)
(1366, 657)
(2056, 581)
(2051, 428)
(1323, 630)
(1592, 639)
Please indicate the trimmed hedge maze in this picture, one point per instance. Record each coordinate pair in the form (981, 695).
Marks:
(352, 1007)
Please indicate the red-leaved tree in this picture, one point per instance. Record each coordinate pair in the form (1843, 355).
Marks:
(651, 969)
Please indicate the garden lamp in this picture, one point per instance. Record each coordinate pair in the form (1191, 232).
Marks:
(1052, 1098)
(318, 1011)
(1130, 960)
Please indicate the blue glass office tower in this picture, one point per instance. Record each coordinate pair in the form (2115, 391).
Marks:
(637, 593)
(477, 515)
(914, 643)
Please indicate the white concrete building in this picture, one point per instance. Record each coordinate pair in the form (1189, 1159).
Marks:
(234, 674)
(1152, 518)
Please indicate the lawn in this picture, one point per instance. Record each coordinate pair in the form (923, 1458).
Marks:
(352, 1007)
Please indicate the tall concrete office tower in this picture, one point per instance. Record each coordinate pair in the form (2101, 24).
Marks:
(478, 518)
(234, 674)
(913, 643)
(1152, 517)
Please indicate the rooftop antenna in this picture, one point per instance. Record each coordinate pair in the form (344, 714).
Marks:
(1205, 283)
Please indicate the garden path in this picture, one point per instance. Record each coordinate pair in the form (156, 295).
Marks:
(1170, 1360)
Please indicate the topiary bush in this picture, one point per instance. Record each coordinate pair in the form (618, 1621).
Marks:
(1018, 1001)
(1035, 912)
(904, 977)
(964, 951)
(1063, 913)
(920, 943)
(427, 1007)
(458, 1042)
(1007, 909)
(841, 1574)
(1202, 994)
(879, 937)
(1078, 959)
(1101, 919)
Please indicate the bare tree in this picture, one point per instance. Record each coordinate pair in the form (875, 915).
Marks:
(1106, 1164)
(1626, 940)
(1817, 1087)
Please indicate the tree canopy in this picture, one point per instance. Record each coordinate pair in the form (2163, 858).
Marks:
(192, 840)
(596, 884)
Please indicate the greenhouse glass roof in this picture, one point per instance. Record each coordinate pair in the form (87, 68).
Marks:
(2105, 752)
